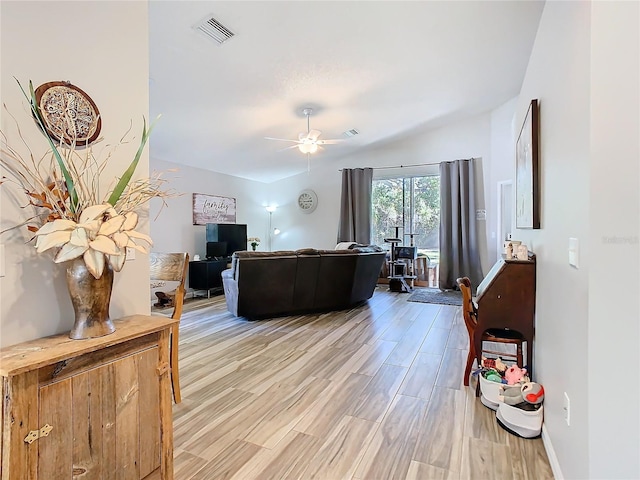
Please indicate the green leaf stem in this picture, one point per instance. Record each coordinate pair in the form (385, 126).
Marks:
(126, 177)
(73, 195)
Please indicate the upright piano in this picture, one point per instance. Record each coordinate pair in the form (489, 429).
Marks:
(506, 298)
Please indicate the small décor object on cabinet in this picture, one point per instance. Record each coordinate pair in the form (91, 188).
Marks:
(91, 231)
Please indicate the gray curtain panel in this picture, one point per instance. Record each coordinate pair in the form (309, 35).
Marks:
(355, 206)
(459, 253)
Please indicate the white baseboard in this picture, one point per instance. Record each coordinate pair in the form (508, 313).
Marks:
(551, 454)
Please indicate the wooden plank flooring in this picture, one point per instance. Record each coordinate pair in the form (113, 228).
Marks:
(370, 393)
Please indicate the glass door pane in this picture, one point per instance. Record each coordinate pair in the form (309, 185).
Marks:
(387, 205)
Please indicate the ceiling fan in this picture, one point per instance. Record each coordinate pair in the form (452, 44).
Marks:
(308, 142)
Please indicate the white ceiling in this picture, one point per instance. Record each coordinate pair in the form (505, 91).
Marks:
(388, 69)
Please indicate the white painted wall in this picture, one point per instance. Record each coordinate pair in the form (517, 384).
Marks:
(74, 41)
(584, 71)
(172, 227)
(560, 355)
(613, 240)
(501, 168)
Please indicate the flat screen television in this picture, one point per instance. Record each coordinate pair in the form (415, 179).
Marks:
(234, 234)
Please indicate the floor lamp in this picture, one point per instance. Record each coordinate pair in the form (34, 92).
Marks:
(270, 209)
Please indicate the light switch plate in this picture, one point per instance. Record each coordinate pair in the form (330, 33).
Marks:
(131, 254)
(574, 252)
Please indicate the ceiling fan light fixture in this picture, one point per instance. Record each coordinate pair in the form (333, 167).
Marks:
(307, 142)
(308, 146)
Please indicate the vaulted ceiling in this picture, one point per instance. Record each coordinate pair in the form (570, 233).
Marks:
(388, 69)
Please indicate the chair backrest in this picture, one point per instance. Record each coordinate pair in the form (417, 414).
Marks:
(171, 267)
(469, 311)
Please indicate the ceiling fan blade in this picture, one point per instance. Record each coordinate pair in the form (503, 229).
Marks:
(314, 134)
(331, 141)
(302, 136)
(288, 148)
(282, 139)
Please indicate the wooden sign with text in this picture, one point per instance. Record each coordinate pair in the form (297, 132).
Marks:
(213, 209)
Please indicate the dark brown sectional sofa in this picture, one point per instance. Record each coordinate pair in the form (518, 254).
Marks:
(271, 284)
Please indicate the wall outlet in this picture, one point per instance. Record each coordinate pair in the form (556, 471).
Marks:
(131, 253)
(481, 214)
(567, 409)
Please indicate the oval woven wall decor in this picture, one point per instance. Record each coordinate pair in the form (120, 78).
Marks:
(69, 114)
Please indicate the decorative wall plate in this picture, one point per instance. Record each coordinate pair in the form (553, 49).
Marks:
(69, 114)
(307, 201)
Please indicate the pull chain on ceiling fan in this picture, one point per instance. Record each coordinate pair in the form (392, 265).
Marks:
(308, 142)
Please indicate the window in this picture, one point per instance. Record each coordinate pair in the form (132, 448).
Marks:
(411, 203)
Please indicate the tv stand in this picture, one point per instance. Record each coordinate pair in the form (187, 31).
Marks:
(206, 274)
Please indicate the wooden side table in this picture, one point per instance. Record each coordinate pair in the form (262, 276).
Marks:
(96, 408)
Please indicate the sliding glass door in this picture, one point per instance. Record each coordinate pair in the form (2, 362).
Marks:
(409, 205)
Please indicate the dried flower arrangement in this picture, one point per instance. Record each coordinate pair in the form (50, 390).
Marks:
(63, 186)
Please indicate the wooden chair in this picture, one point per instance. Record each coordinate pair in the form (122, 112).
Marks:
(172, 267)
(496, 335)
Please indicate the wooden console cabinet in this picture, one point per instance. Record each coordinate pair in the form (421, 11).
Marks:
(89, 409)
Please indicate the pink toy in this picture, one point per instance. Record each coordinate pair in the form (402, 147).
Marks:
(514, 374)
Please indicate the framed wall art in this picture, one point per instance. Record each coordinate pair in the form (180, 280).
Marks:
(213, 209)
(527, 171)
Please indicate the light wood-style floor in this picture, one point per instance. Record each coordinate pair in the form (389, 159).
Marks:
(371, 393)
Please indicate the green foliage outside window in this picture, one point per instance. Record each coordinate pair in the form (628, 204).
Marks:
(412, 203)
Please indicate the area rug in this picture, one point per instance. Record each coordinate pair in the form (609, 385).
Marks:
(435, 295)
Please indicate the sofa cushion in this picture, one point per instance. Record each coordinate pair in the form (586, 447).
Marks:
(307, 251)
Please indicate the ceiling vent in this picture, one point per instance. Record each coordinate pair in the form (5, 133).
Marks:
(214, 30)
(351, 133)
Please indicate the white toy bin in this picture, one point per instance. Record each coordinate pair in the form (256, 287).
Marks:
(489, 392)
(523, 423)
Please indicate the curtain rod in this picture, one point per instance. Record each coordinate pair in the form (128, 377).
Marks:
(400, 166)
(407, 166)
